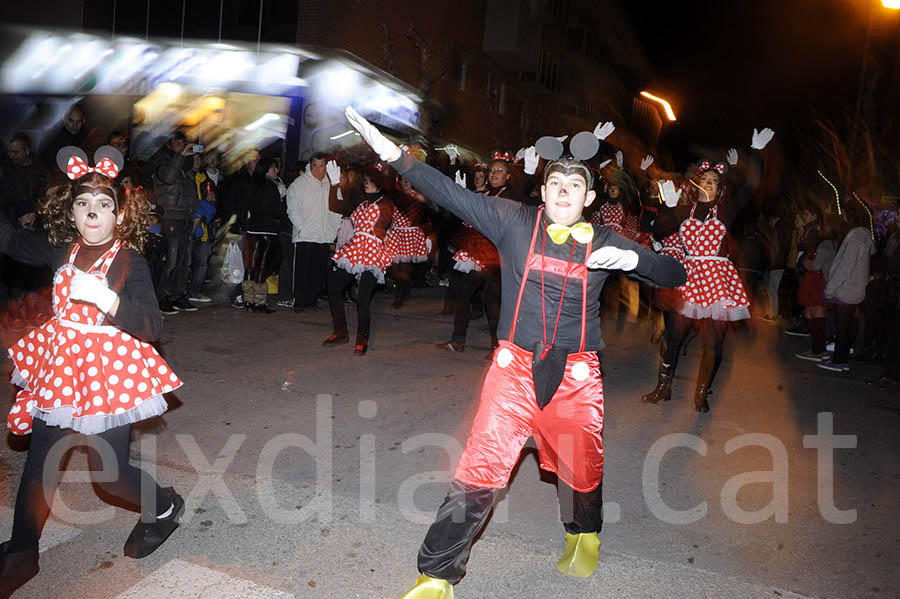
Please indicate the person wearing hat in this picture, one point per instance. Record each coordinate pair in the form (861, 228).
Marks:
(544, 379)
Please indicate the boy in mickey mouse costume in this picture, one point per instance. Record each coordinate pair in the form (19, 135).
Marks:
(544, 379)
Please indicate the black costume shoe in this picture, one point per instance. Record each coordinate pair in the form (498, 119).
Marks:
(700, 402)
(663, 390)
(361, 349)
(16, 569)
(262, 309)
(337, 339)
(145, 538)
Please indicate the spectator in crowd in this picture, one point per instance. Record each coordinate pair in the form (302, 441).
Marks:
(72, 132)
(775, 231)
(845, 285)
(176, 194)
(314, 228)
(22, 183)
(205, 224)
(265, 221)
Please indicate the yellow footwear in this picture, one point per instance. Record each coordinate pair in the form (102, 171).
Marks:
(430, 588)
(581, 555)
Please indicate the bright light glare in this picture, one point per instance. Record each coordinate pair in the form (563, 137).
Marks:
(666, 106)
(269, 116)
(340, 82)
(892, 4)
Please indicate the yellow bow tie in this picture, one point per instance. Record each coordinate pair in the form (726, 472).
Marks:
(582, 232)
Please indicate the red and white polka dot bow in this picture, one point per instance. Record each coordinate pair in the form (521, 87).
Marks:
(501, 156)
(77, 168)
(705, 165)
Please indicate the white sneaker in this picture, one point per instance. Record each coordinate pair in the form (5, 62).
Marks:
(201, 298)
(288, 303)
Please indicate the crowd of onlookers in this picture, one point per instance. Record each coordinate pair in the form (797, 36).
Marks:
(817, 268)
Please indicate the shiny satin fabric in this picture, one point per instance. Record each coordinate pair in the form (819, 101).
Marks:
(568, 431)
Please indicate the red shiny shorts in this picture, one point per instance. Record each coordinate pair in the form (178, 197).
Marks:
(568, 431)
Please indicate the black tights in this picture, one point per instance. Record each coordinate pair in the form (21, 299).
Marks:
(712, 334)
(468, 284)
(338, 280)
(465, 511)
(110, 470)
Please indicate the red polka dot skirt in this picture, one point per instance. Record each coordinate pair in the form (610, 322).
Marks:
(713, 288)
(364, 252)
(77, 373)
(405, 242)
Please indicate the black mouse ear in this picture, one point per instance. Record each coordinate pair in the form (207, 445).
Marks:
(65, 154)
(584, 145)
(549, 148)
(111, 153)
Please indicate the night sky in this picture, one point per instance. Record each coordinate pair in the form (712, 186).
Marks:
(731, 65)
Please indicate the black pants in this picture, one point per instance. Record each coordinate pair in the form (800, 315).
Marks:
(846, 327)
(338, 280)
(891, 335)
(286, 268)
(465, 510)
(402, 273)
(311, 263)
(712, 334)
(467, 286)
(107, 456)
(177, 236)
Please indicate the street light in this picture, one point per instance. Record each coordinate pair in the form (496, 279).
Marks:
(666, 106)
(892, 4)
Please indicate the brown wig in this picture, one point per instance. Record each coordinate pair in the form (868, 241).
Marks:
(56, 210)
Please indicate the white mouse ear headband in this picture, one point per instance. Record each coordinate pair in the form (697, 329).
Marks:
(73, 162)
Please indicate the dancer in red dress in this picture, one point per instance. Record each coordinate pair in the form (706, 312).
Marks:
(363, 258)
(406, 241)
(544, 380)
(713, 295)
(89, 369)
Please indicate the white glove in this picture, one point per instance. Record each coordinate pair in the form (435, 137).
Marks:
(670, 194)
(620, 158)
(732, 157)
(646, 162)
(460, 179)
(657, 246)
(89, 289)
(761, 138)
(520, 154)
(612, 258)
(385, 148)
(334, 172)
(604, 163)
(603, 130)
(452, 152)
(531, 160)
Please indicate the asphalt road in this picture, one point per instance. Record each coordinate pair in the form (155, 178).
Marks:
(324, 487)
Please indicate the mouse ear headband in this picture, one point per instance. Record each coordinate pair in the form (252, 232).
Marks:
(582, 147)
(73, 162)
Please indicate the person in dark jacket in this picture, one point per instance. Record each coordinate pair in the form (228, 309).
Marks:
(176, 195)
(266, 217)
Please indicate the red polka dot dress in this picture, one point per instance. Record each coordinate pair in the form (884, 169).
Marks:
(630, 225)
(77, 373)
(613, 215)
(713, 288)
(365, 251)
(406, 242)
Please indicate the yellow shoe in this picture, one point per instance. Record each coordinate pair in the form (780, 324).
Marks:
(581, 555)
(430, 588)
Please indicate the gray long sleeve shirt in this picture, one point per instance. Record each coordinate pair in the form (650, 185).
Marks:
(509, 226)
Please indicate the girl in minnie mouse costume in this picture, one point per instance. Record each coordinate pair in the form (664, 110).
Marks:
(713, 295)
(89, 369)
(544, 379)
(406, 241)
(364, 258)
